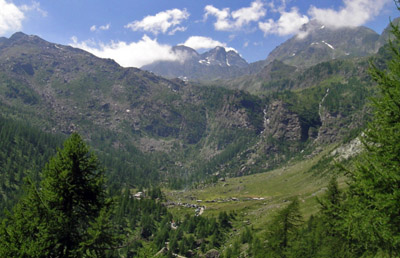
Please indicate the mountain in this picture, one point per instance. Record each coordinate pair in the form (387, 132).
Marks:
(318, 51)
(145, 129)
(315, 43)
(219, 57)
(216, 63)
(318, 43)
(149, 129)
(140, 121)
(387, 32)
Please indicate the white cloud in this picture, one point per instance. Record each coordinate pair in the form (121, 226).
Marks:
(102, 27)
(172, 32)
(11, 17)
(161, 22)
(268, 27)
(199, 42)
(35, 6)
(277, 8)
(222, 16)
(246, 15)
(105, 27)
(353, 13)
(133, 54)
(236, 20)
(287, 24)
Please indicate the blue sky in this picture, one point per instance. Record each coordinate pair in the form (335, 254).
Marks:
(137, 32)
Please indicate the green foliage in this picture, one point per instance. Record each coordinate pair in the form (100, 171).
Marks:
(23, 150)
(283, 229)
(139, 221)
(373, 203)
(67, 215)
(15, 90)
(126, 166)
(363, 220)
(331, 208)
(193, 233)
(323, 235)
(247, 236)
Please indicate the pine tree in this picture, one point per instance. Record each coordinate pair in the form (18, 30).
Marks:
(331, 207)
(373, 220)
(282, 228)
(68, 215)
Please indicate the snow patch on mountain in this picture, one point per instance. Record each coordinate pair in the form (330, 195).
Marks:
(329, 45)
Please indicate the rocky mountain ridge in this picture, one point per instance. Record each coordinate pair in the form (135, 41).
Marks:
(315, 43)
(216, 63)
(318, 43)
(185, 131)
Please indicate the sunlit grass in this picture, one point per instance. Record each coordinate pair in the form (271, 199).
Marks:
(273, 190)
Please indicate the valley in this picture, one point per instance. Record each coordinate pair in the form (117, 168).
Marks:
(221, 149)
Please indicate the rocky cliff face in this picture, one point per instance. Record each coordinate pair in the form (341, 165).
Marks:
(280, 123)
(336, 126)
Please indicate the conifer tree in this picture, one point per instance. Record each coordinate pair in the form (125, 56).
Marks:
(282, 229)
(373, 220)
(331, 209)
(68, 215)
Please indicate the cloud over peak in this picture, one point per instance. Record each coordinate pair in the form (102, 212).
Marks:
(144, 51)
(287, 24)
(11, 17)
(133, 54)
(199, 42)
(353, 13)
(162, 22)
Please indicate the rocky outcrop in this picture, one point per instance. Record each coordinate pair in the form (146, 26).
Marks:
(348, 150)
(329, 130)
(280, 123)
(232, 115)
(212, 254)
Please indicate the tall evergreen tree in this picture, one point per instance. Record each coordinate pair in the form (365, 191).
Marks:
(67, 215)
(331, 209)
(282, 229)
(373, 220)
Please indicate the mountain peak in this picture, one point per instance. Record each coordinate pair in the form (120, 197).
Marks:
(387, 32)
(182, 48)
(18, 35)
(219, 56)
(215, 63)
(318, 43)
(22, 38)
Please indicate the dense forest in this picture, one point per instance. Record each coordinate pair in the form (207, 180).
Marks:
(70, 213)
